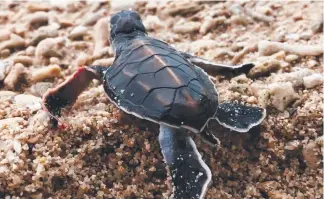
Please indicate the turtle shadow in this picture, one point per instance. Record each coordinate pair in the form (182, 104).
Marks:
(229, 137)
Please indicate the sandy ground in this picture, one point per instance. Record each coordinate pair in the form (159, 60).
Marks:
(104, 153)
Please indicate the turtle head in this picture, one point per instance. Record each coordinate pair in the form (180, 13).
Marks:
(125, 22)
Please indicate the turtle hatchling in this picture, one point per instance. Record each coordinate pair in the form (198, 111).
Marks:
(153, 81)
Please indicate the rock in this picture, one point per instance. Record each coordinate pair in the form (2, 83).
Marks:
(16, 77)
(15, 41)
(282, 94)
(117, 5)
(37, 19)
(203, 44)
(210, 23)
(292, 36)
(104, 62)
(6, 94)
(20, 29)
(78, 32)
(153, 23)
(65, 23)
(17, 146)
(187, 27)
(311, 63)
(40, 88)
(54, 60)
(35, 7)
(82, 59)
(46, 72)
(240, 20)
(27, 61)
(180, 8)
(40, 117)
(264, 68)
(3, 69)
(4, 35)
(101, 35)
(312, 155)
(268, 186)
(29, 101)
(251, 100)
(11, 122)
(277, 194)
(50, 47)
(4, 170)
(43, 33)
(5, 53)
(292, 145)
(296, 77)
(306, 35)
(313, 80)
(30, 51)
(269, 47)
(291, 58)
(317, 25)
(92, 18)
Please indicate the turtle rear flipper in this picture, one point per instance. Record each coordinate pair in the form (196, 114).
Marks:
(239, 117)
(218, 68)
(68, 91)
(190, 174)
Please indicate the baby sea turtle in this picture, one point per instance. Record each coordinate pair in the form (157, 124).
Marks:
(153, 81)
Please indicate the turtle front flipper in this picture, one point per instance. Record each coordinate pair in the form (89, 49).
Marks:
(68, 91)
(190, 174)
(239, 117)
(211, 67)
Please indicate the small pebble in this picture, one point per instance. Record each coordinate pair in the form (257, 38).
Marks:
(240, 20)
(251, 100)
(82, 59)
(291, 58)
(306, 35)
(11, 122)
(50, 47)
(313, 80)
(4, 35)
(104, 62)
(78, 32)
(15, 41)
(312, 63)
(30, 51)
(40, 88)
(5, 53)
(3, 69)
(43, 33)
(92, 18)
(311, 154)
(27, 61)
(210, 23)
(54, 60)
(35, 7)
(6, 94)
(188, 27)
(153, 23)
(15, 76)
(32, 102)
(282, 94)
(101, 35)
(46, 72)
(37, 19)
